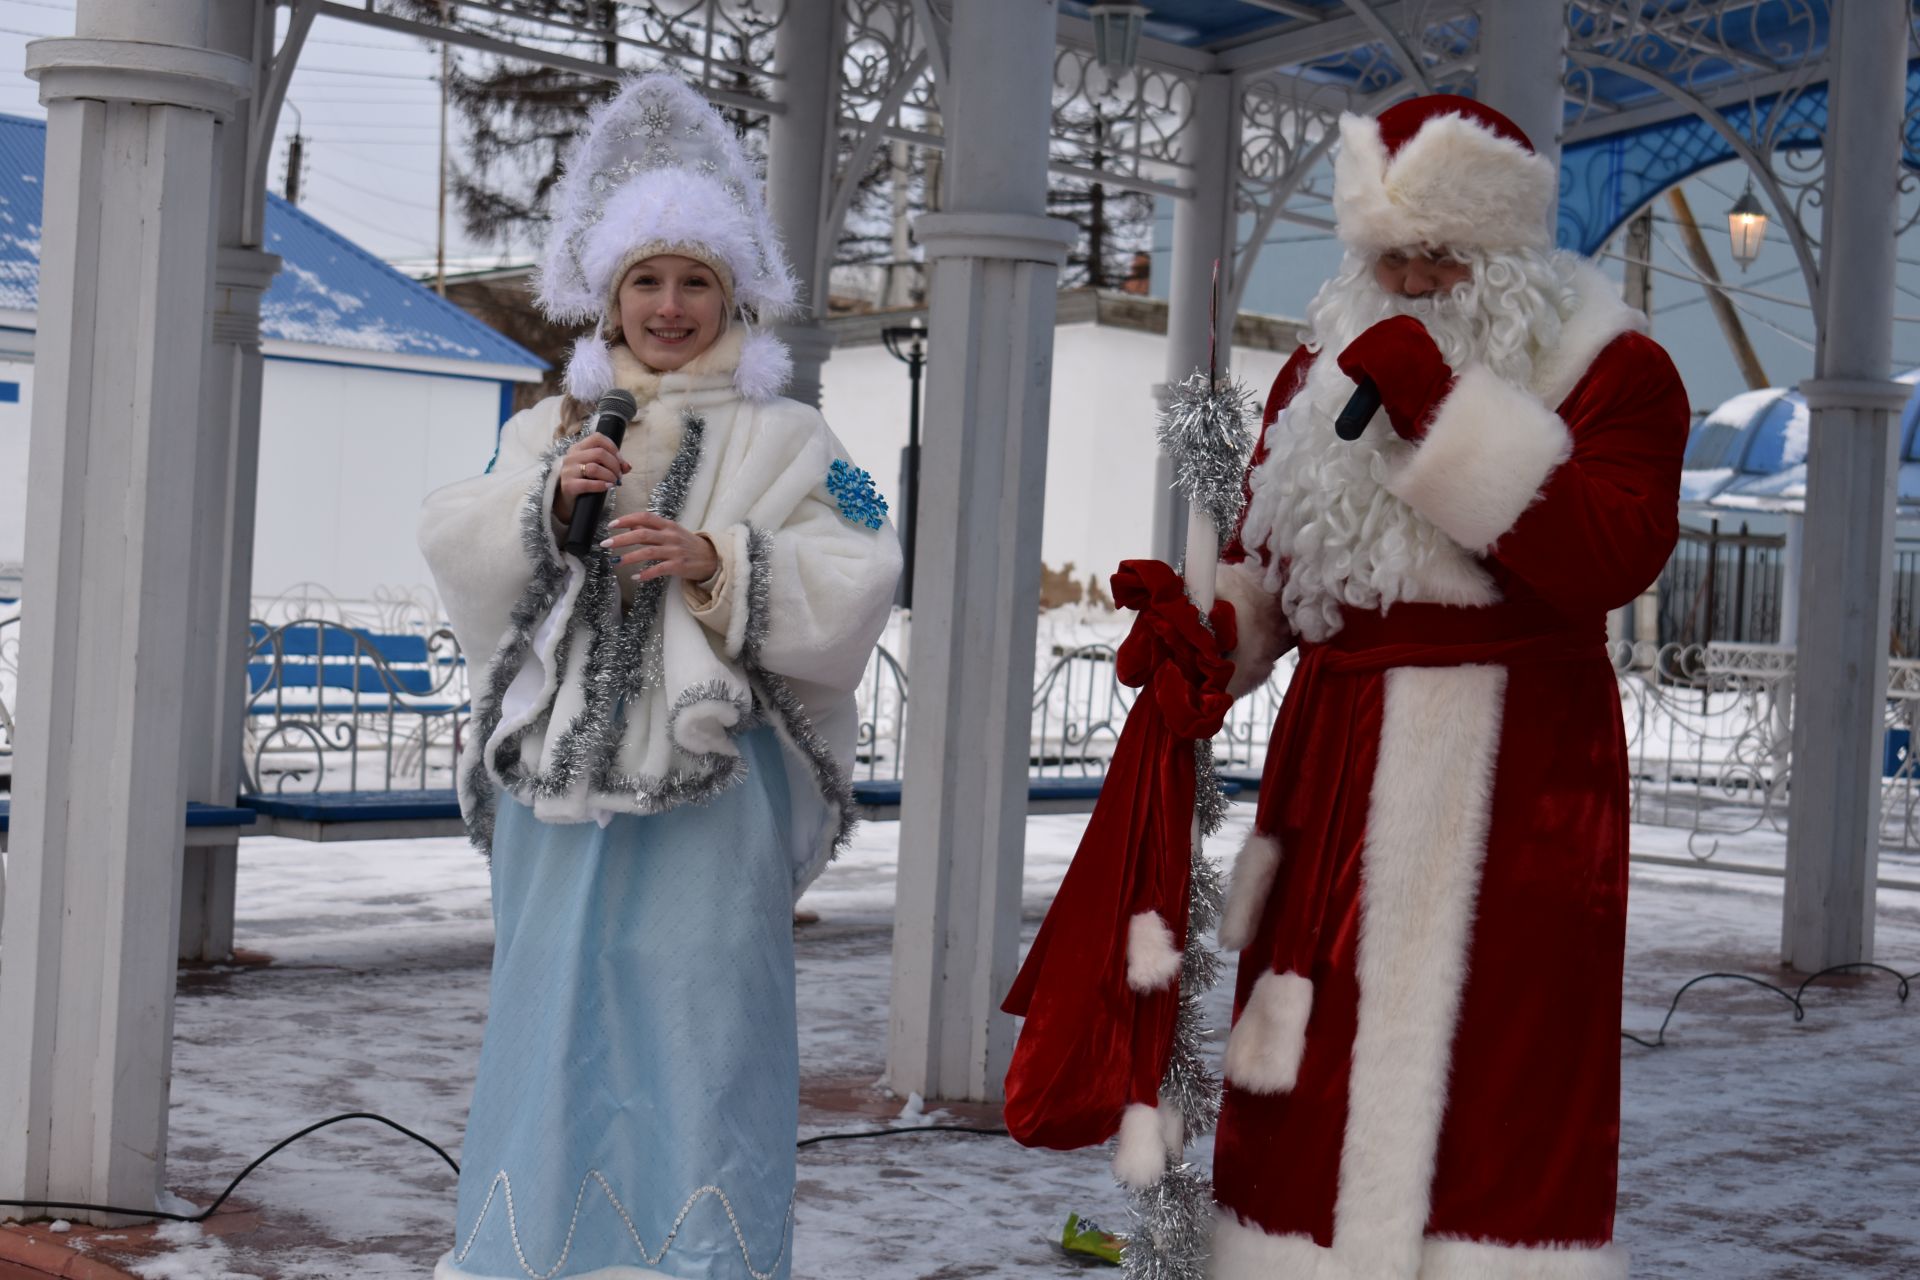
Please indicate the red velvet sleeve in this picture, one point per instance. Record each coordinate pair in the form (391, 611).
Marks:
(1607, 518)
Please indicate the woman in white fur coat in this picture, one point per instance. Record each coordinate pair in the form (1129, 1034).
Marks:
(657, 758)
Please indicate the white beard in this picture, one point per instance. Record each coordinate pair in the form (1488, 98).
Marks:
(1319, 504)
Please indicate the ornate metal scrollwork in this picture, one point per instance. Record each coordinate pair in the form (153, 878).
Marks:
(1748, 81)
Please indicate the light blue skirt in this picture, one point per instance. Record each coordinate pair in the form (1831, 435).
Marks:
(638, 1092)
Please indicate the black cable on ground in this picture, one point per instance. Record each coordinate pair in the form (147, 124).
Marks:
(1903, 984)
(272, 1151)
(888, 1133)
(1795, 998)
(208, 1212)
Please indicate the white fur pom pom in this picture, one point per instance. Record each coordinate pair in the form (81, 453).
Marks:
(1140, 1151)
(589, 369)
(764, 368)
(1152, 960)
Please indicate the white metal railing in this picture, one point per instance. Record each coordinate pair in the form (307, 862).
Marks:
(1709, 728)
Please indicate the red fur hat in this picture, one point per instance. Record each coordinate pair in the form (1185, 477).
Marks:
(1443, 171)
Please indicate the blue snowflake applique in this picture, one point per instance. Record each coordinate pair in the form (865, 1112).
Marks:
(860, 502)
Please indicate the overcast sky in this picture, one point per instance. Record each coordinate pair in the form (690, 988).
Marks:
(368, 104)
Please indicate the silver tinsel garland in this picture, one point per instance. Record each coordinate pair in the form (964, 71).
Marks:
(1206, 430)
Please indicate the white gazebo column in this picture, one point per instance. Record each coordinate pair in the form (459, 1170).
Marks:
(995, 262)
(1523, 54)
(1202, 235)
(227, 472)
(1833, 831)
(800, 143)
(86, 990)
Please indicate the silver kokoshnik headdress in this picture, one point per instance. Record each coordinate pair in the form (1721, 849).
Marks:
(658, 170)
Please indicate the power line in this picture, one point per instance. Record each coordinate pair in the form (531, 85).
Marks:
(381, 195)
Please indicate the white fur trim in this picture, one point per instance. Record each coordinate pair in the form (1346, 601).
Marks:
(1153, 961)
(1244, 1252)
(1454, 184)
(765, 366)
(1426, 840)
(1601, 316)
(1489, 448)
(589, 368)
(1140, 1150)
(736, 559)
(1247, 892)
(1262, 628)
(1265, 1046)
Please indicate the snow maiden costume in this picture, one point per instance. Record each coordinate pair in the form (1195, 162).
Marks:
(656, 769)
(1422, 1079)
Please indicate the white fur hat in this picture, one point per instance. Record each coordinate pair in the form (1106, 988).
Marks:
(1443, 171)
(657, 170)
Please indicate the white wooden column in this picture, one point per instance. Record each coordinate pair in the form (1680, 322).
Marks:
(86, 991)
(800, 144)
(995, 262)
(1523, 55)
(1833, 830)
(226, 474)
(1202, 234)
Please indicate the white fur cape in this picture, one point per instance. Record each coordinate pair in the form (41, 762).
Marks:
(583, 710)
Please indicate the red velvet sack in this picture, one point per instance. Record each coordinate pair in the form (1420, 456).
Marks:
(1091, 1044)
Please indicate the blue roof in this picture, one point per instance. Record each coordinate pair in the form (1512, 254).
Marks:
(330, 291)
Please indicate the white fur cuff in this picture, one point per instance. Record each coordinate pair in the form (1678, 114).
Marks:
(1153, 961)
(1265, 1046)
(1257, 617)
(1247, 893)
(1487, 452)
(1140, 1151)
(730, 609)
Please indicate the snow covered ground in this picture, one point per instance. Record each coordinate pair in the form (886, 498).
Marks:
(1752, 1146)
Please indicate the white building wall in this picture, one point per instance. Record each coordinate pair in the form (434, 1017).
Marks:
(346, 455)
(1100, 449)
(13, 474)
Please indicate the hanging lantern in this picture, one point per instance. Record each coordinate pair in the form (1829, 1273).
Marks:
(1747, 222)
(1116, 35)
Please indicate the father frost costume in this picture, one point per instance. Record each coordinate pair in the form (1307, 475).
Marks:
(656, 769)
(1422, 1080)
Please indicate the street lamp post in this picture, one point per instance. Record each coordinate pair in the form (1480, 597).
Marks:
(907, 343)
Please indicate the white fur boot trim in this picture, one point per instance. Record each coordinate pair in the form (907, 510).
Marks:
(1140, 1150)
(1247, 893)
(1265, 1046)
(1242, 1251)
(1153, 961)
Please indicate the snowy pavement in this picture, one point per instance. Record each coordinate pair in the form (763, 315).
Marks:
(1753, 1146)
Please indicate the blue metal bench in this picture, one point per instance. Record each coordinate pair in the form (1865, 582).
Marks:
(329, 703)
(393, 815)
(207, 824)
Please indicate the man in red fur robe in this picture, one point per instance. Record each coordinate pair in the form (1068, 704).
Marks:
(1423, 1076)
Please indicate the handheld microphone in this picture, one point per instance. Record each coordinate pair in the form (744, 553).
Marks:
(614, 412)
(1359, 411)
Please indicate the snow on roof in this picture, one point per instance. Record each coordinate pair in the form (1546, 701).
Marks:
(330, 292)
(1737, 411)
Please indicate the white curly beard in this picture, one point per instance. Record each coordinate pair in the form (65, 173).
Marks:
(1319, 504)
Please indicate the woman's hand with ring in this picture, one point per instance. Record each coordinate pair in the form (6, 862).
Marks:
(668, 549)
(592, 465)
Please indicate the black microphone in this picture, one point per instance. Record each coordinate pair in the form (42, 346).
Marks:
(1359, 411)
(615, 411)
